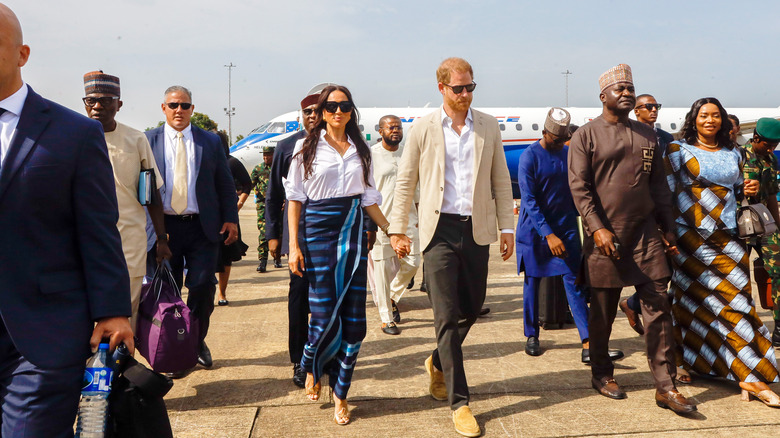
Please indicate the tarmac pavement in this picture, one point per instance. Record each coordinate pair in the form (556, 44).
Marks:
(249, 392)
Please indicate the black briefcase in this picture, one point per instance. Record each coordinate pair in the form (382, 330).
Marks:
(552, 303)
(136, 405)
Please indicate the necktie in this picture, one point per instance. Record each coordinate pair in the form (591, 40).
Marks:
(179, 195)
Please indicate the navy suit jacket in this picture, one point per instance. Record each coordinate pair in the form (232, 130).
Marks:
(61, 262)
(214, 188)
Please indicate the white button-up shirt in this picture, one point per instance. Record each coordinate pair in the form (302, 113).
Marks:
(333, 175)
(458, 166)
(13, 105)
(170, 167)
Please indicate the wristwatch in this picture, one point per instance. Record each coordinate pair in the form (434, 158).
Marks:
(162, 237)
(385, 227)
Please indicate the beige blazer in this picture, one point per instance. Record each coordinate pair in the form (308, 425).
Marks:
(423, 162)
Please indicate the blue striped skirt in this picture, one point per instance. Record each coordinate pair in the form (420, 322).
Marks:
(336, 256)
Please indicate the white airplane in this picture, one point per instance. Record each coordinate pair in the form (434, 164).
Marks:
(520, 127)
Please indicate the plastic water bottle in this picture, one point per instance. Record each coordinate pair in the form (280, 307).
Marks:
(93, 408)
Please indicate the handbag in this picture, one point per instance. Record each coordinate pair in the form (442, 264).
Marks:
(167, 332)
(136, 405)
(754, 220)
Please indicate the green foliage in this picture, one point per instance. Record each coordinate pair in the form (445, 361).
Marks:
(203, 121)
(160, 123)
(239, 137)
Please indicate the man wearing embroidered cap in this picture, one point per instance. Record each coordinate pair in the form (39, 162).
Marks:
(547, 240)
(761, 165)
(617, 180)
(130, 153)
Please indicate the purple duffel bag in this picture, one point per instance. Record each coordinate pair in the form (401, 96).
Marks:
(167, 333)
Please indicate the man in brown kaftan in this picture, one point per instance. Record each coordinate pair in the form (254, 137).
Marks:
(617, 180)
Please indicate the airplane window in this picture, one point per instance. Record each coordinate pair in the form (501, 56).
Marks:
(674, 126)
(501, 126)
(535, 127)
(519, 127)
(276, 128)
(376, 127)
(361, 128)
(262, 128)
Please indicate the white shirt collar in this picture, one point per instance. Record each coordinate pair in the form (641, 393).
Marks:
(171, 133)
(322, 138)
(447, 120)
(15, 102)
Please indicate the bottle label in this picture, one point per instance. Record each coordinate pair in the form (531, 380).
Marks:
(97, 380)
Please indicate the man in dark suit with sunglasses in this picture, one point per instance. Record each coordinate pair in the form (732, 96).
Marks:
(199, 201)
(276, 233)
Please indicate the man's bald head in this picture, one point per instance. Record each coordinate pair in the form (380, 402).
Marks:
(13, 52)
(387, 119)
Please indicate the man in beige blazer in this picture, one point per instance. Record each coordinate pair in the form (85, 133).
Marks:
(456, 155)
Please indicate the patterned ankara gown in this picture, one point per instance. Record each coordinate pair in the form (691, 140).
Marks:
(716, 325)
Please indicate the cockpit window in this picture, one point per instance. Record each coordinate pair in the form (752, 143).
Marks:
(261, 129)
(276, 128)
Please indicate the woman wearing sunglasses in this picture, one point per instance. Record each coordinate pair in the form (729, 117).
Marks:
(331, 185)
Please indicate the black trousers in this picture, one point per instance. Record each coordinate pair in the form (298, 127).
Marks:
(297, 316)
(456, 277)
(659, 334)
(188, 243)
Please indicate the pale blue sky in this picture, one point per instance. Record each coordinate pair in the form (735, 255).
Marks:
(387, 52)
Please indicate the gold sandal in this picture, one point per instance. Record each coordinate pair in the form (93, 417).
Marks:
(766, 396)
(312, 392)
(341, 417)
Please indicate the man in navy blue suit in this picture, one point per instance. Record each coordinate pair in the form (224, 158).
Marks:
(61, 263)
(199, 201)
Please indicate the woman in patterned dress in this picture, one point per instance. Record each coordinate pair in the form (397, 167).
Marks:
(330, 185)
(716, 325)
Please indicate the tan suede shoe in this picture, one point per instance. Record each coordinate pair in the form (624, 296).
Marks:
(437, 388)
(465, 423)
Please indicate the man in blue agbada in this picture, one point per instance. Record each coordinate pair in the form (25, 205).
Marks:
(548, 243)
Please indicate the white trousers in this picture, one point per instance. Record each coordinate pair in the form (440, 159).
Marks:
(391, 276)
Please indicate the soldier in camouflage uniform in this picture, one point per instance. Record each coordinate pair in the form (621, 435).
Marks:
(761, 165)
(260, 175)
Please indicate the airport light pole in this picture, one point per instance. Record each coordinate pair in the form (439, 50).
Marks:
(566, 81)
(230, 110)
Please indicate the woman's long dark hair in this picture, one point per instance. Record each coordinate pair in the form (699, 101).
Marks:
(689, 132)
(309, 149)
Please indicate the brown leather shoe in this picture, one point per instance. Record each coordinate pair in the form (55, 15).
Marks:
(675, 401)
(633, 319)
(465, 423)
(436, 387)
(608, 387)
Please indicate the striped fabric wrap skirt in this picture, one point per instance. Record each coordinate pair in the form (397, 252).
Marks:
(336, 256)
(716, 325)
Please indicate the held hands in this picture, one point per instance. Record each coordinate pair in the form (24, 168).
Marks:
(605, 242)
(402, 245)
(232, 230)
(556, 245)
(295, 261)
(117, 329)
(751, 187)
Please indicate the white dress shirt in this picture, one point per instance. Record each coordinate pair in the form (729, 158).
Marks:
(458, 166)
(333, 175)
(13, 105)
(170, 167)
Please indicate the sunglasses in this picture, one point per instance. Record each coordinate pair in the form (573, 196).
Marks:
(345, 106)
(184, 105)
(457, 89)
(104, 101)
(307, 111)
(650, 106)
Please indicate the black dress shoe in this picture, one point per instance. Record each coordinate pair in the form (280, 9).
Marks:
(675, 401)
(204, 357)
(776, 334)
(484, 311)
(396, 313)
(299, 376)
(532, 347)
(608, 387)
(176, 375)
(223, 302)
(391, 329)
(613, 355)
